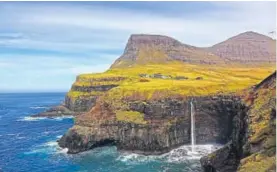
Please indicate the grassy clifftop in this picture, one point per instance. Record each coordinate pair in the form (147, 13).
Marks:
(154, 80)
(155, 66)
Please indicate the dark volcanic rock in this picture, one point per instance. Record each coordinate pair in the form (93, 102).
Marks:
(168, 125)
(56, 111)
(226, 159)
(85, 103)
(213, 115)
(222, 160)
(252, 144)
(82, 104)
(152, 139)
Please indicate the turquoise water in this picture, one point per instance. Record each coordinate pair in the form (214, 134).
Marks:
(29, 144)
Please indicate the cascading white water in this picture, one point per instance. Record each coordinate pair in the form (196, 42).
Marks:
(192, 132)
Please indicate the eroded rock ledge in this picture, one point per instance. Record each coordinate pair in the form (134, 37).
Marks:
(166, 125)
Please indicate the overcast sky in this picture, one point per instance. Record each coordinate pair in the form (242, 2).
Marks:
(44, 45)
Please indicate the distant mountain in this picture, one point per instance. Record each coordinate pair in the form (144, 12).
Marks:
(144, 49)
(247, 47)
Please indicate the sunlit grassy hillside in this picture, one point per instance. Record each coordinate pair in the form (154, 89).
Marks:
(174, 78)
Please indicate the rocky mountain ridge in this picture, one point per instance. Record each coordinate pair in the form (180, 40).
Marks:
(248, 47)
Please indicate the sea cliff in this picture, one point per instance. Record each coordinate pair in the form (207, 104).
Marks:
(143, 103)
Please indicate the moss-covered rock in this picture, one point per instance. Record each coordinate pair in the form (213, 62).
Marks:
(253, 143)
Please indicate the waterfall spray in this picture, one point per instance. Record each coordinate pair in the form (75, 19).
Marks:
(192, 117)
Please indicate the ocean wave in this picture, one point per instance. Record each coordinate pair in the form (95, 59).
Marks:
(133, 158)
(187, 153)
(51, 147)
(38, 107)
(51, 143)
(30, 118)
(178, 155)
(62, 151)
(62, 118)
(11, 134)
(59, 136)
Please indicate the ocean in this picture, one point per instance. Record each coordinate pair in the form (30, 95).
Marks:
(29, 144)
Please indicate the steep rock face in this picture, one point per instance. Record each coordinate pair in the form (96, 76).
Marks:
(167, 125)
(86, 102)
(80, 104)
(253, 142)
(248, 47)
(212, 114)
(84, 92)
(142, 49)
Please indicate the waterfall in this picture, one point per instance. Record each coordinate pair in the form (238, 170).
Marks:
(192, 129)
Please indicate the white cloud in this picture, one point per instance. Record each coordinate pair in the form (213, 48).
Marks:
(115, 25)
(102, 32)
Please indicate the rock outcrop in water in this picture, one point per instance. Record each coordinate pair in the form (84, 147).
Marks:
(252, 146)
(56, 111)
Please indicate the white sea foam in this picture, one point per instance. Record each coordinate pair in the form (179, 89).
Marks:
(178, 155)
(51, 143)
(184, 153)
(50, 147)
(133, 158)
(11, 134)
(30, 118)
(62, 118)
(59, 136)
(63, 151)
(38, 107)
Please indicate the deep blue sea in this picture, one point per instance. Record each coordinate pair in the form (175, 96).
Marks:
(29, 144)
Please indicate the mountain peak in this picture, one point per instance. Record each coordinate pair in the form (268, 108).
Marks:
(250, 35)
(247, 47)
(135, 41)
(159, 49)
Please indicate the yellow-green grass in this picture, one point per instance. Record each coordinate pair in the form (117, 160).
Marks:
(258, 162)
(130, 116)
(78, 94)
(216, 79)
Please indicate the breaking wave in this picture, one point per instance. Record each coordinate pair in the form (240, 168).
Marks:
(38, 107)
(50, 147)
(30, 118)
(178, 155)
